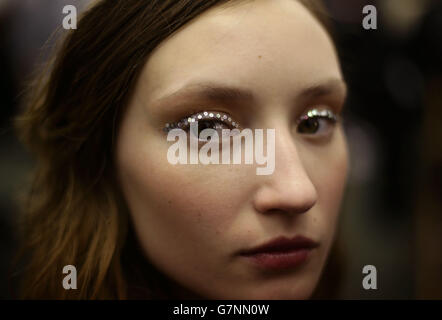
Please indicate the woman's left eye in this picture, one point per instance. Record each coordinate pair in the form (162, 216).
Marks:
(317, 122)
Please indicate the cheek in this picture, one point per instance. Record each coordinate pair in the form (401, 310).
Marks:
(328, 171)
(181, 208)
(179, 211)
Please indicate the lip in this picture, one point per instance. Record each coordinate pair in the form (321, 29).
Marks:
(281, 252)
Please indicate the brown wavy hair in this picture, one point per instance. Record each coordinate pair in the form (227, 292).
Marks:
(73, 210)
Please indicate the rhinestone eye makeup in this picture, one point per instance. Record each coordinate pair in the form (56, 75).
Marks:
(316, 113)
(217, 119)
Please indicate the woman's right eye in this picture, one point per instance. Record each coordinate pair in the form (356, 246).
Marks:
(204, 120)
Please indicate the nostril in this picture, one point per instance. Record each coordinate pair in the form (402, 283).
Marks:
(272, 202)
(298, 209)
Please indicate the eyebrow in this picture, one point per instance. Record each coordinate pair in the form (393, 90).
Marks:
(211, 91)
(325, 88)
(228, 94)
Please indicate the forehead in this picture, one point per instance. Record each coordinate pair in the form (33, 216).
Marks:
(268, 45)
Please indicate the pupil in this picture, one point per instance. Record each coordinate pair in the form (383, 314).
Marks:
(204, 125)
(309, 126)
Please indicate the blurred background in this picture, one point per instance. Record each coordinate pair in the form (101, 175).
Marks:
(392, 211)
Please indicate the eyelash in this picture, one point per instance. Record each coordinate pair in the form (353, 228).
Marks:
(218, 116)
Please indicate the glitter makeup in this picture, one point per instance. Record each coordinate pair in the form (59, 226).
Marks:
(217, 119)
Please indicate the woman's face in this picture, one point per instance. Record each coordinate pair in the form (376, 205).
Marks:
(192, 220)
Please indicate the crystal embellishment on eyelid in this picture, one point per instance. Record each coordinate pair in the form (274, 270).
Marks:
(200, 116)
(319, 113)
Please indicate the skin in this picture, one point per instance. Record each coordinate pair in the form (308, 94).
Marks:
(192, 220)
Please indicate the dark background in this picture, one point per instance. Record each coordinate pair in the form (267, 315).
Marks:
(392, 212)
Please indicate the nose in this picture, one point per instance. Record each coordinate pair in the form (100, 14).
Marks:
(289, 189)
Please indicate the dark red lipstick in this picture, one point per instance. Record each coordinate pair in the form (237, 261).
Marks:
(281, 253)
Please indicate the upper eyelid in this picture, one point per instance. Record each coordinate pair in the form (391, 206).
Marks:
(318, 112)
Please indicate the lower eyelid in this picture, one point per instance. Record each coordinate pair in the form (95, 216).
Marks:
(329, 124)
